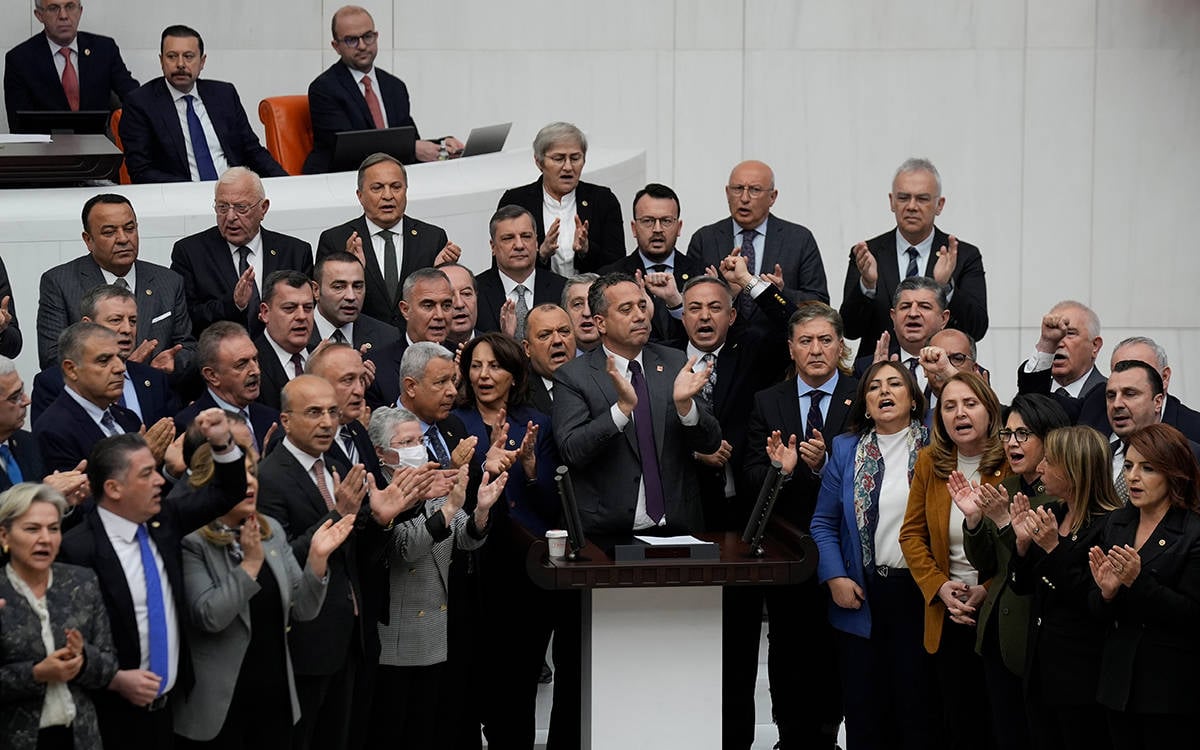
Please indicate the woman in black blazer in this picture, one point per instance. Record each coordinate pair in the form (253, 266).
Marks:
(1052, 542)
(1147, 574)
(55, 640)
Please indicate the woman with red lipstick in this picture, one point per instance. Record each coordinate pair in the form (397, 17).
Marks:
(1146, 570)
(965, 451)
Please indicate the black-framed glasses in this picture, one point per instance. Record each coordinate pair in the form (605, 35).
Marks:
(367, 39)
(649, 222)
(1021, 434)
(957, 358)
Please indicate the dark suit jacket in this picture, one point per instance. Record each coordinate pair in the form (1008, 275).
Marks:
(385, 389)
(261, 417)
(10, 337)
(25, 450)
(1150, 655)
(594, 204)
(778, 408)
(155, 397)
(32, 82)
(66, 434)
(866, 319)
(184, 511)
(336, 104)
(156, 146)
(272, 378)
(547, 287)
(365, 448)
(605, 464)
(421, 243)
(161, 307)
(539, 397)
(367, 331)
(664, 328)
(209, 272)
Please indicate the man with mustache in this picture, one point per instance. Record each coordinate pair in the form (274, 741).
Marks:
(1065, 354)
(515, 284)
(287, 311)
(341, 292)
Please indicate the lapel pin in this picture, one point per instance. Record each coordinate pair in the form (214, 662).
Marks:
(849, 401)
(414, 233)
(87, 51)
(685, 277)
(583, 203)
(149, 292)
(274, 553)
(658, 368)
(274, 252)
(367, 346)
(147, 383)
(512, 442)
(154, 524)
(1162, 542)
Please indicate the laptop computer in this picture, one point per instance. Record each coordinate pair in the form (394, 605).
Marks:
(486, 140)
(350, 147)
(83, 122)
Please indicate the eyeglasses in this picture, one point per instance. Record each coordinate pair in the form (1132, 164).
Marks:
(957, 358)
(55, 9)
(649, 222)
(735, 191)
(316, 412)
(1021, 434)
(241, 209)
(367, 39)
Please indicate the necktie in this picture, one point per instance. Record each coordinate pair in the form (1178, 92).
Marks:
(338, 337)
(435, 445)
(318, 472)
(707, 391)
(373, 103)
(70, 80)
(550, 392)
(110, 424)
(348, 445)
(253, 434)
(912, 262)
(10, 464)
(121, 282)
(156, 610)
(912, 365)
(297, 365)
(243, 264)
(745, 302)
(659, 268)
(391, 269)
(1119, 480)
(522, 311)
(1061, 391)
(643, 424)
(204, 160)
(815, 420)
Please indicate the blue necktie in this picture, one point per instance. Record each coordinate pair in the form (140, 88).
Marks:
(156, 611)
(911, 271)
(434, 443)
(10, 463)
(204, 160)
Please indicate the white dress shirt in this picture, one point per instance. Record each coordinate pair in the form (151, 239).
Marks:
(362, 89)
(255, 259)
(325, 329)
(961, 568)
(60, 62)
(563, 260)
(130, 278)
(306, 461)
(93, 411)
(285, 358)
(510, 287)
(893, 499)
(1039, 361)
(692, 351)
(760, 243)
(131, 399)
(210, 135)
(378, 245)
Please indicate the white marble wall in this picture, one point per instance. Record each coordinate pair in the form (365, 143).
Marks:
(1065, 131)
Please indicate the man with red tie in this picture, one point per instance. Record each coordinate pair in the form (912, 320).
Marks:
(63, 68)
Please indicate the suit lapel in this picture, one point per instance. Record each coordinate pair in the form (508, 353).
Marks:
(303, 481)
(348, 84)
(411, 239)
(166, 116)
(889, 269)
(374, 272)
(270, 259)
(726, 366)
(789, 410)
(839, 409)
(1162, 539)
(772, 245)
(112, 579)
(660, 388)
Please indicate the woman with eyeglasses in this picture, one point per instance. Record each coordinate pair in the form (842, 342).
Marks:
(1052, 540)
(1146, 569)
(243, 587)
(989, 540)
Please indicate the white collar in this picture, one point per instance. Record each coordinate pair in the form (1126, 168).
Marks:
(510, 286)
(304, 458)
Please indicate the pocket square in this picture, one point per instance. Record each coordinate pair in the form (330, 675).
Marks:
(164, 316)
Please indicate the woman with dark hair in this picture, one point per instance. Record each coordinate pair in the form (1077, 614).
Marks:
(1051, 545)
(965, 451)
(876, 606)
(1147, 574)
(989, 541)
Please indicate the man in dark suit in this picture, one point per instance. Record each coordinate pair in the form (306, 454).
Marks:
(629, 439)
(784, 251)
(10, 332)
(372, 237)
(427, 307)
(514, 283)
(131, 529)
(110, 231)
(341, 366)
(549, 344)
(223, 266)
(575, 302)
(578, 223)
(287, 310)
(178, 129)
(147, 392)
(464, 313)
(19, 454)
(228, 362)
(352, 94)
(915, 248)
(1064, 358)
(918, 312)
(656, 228)
(341, 291)
(39, 76)
(810, 409)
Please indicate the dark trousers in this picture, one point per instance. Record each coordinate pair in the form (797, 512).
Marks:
(800, 657)
(409, 705)
(565, 610)
(1132, 731)
(56, 738)
(966, 719)
(466, 642)
(126, 726)
(1006, 693)
(250, 725)
(887, 679)
(326, 703)
(1069, 727)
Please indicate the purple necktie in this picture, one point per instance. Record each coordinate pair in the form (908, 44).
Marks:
(643, 424)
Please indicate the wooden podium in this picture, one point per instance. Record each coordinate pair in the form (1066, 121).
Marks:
(651, 634)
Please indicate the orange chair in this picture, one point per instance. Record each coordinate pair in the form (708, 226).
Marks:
(288, 128)
(113, 123)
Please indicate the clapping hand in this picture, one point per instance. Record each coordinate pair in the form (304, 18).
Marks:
(328, 537)
(508, 317)
(159, 437)
(580, 245)
(1045, 528)
(993, 500)
(688, 384)
(448, 254)
(1021, 525)
(865, 262)
(498, 458)
(243, 290)
(527, 453)
(626, 396)
(72, 484)
(813, 451)
(966, 497)
(462, 453)
(1126, 562)
(1104, 573)
(785, 453)
(717, 459)
(489, 493)
(5, 315)
(349, 492)
(947, 259)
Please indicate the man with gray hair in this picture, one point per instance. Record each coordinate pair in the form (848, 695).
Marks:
(1064, 359)
(223, 267)
(427, 305)
(916, 247)
(390, 243)
(578, 223)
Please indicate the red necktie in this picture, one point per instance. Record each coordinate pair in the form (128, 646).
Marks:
(70, 80)
(373, 103)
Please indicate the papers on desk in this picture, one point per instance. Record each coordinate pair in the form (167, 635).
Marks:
(669, 541)
(24, 138)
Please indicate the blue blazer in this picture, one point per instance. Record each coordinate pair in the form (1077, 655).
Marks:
(155, 150)
(67, 434)
(835, 531)
(32, 82)
(336, 104)
(155, 397)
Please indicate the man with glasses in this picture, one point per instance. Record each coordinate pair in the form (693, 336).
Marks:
(776, 251)
(63, 69)
(223, 266)
(177, 128)
(352, 94)
(656, 227)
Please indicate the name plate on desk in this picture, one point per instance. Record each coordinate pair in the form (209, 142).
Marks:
(643, 548)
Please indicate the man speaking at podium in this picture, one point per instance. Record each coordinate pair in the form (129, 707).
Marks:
(627, 420)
